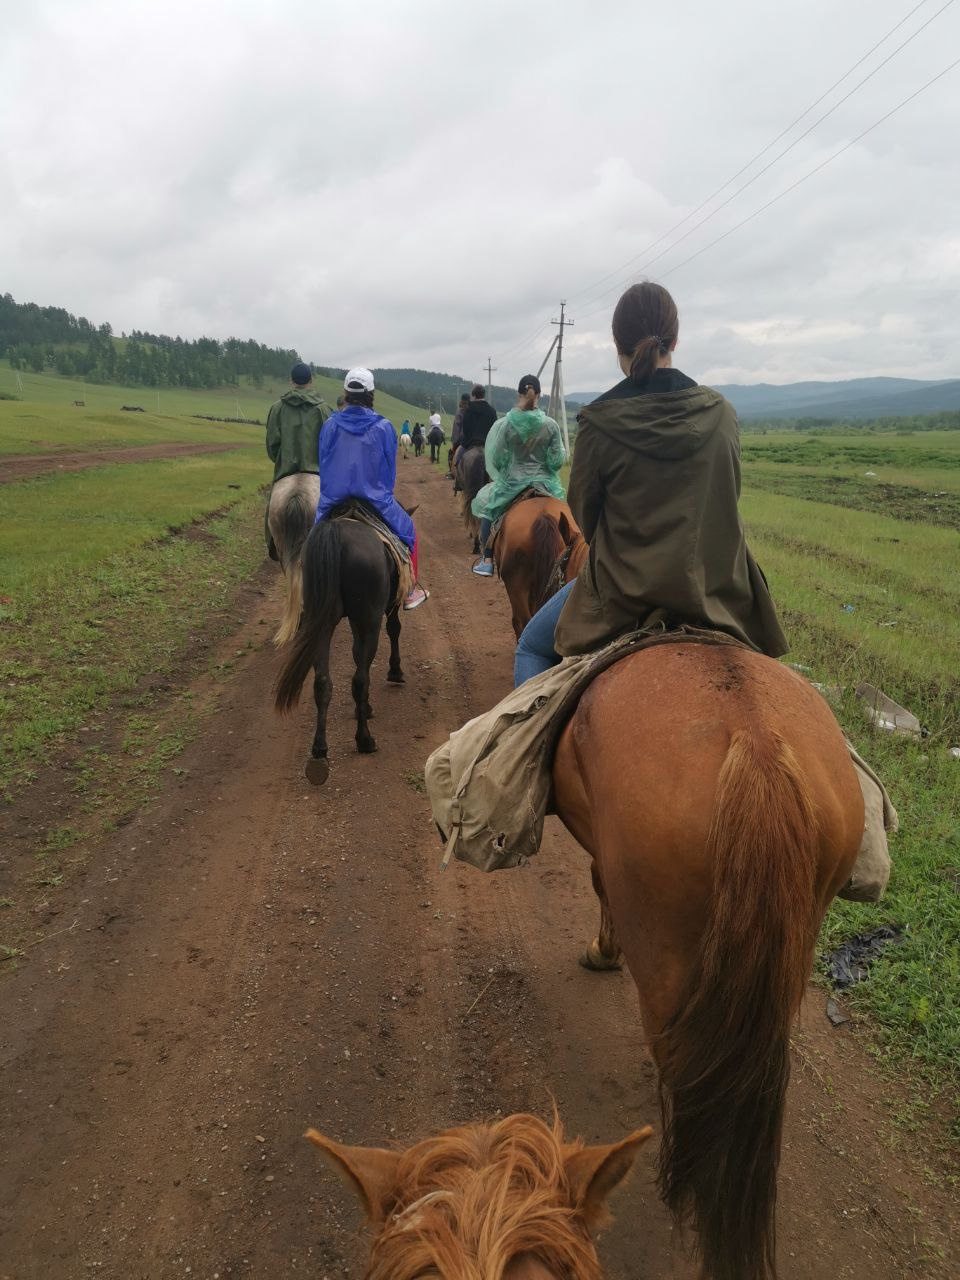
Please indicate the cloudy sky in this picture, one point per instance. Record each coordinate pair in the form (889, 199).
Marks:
(419, 182)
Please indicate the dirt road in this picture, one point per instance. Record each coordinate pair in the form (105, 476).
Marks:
(24, 466)
(253, 955)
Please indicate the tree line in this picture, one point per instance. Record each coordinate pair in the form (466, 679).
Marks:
(50, 339)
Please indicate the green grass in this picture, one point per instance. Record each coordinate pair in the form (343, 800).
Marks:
(827, 536)
(106, 576)
(45, 418)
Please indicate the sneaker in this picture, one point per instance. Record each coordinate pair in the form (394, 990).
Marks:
(483, 568)
(416, 597)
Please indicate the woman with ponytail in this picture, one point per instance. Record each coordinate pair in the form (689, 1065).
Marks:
(654, 486)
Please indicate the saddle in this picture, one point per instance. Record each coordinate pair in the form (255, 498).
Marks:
(363, 513)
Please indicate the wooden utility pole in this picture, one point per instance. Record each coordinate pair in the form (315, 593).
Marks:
(491, 370)
(557, 399)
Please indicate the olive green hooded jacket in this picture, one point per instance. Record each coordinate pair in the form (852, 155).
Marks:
(293, 432)
(654, 486)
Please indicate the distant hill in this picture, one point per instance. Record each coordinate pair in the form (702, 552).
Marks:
(848, 399)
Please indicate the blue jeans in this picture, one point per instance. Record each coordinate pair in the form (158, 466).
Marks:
(535, 651)
(484, 537)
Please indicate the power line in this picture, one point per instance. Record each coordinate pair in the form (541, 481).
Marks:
(793, 185)
(859, 85)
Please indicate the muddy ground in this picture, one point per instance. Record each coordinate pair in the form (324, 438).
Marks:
(252, 955)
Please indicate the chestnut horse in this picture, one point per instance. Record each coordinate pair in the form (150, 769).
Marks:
(714, 791)
(537, 549)
(506, 1201)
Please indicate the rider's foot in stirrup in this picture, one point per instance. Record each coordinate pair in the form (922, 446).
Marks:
(483, 568)
(416, 597)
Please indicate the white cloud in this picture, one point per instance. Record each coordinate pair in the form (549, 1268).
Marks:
(421, 183)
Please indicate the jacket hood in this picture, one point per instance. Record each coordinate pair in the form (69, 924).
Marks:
(300, 398)
(357, 419)
(672, 425)
(526, 421)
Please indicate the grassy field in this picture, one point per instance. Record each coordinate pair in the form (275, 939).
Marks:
(45, 418)
(865, 570)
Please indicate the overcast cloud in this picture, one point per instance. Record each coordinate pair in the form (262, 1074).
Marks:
(420, 182)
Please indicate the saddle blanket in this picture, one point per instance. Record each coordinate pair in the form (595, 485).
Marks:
(398, 550)
(490, 783)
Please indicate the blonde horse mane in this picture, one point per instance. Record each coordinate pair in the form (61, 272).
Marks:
(470, 1201)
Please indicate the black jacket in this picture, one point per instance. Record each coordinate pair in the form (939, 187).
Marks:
(478, 417)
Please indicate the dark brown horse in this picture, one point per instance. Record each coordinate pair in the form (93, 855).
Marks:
(538, 548)
(471, 476)
(347, 573)
(714, 791)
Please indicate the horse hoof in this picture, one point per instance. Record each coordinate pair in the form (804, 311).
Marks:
(594, 960)
(317, 770)
(395, 677)
(367, 747)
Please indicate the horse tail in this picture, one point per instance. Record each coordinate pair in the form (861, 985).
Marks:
(547, 546)
(322, 608)
(295, 518)
(725, 1055)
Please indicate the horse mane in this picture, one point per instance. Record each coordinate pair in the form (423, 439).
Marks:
(472, 1200)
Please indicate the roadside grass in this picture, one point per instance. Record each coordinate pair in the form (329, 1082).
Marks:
(51, 399)
(106, 578)
(899, 579)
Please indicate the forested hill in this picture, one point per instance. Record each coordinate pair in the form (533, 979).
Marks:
(429, 389)
(50, 339)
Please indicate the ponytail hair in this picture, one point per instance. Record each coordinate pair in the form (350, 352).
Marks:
(645, 327)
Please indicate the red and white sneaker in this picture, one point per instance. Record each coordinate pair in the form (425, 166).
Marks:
(416, 597)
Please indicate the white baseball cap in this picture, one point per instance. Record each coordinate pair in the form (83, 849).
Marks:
(358, 379)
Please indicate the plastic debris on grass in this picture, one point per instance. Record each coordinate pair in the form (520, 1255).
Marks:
(887, 715)
(850, 963)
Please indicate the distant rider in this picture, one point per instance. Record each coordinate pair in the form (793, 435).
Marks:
(358, 459)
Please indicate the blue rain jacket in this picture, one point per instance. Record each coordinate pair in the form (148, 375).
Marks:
(358, 459)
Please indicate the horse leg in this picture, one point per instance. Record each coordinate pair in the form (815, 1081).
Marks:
(317, 768)
(603, 952)
(366, 639)
(394, 674)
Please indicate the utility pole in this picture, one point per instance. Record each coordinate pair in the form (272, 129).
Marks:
(557, 400)
(491, 370)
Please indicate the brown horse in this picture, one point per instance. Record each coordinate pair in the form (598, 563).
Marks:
(471, 476)
(714, 791)
(504, 1201)
(538, 548)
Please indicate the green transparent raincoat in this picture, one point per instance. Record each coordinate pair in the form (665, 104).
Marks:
(524, 449)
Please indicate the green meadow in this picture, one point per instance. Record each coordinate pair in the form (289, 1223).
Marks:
(45, 416)
(865, 569)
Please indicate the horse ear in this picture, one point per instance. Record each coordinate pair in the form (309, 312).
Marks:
(563, 524)
(593, 1172)
(370, 1171)
(411, 510)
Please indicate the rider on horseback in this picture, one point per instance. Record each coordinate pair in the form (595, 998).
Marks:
(524, 450)
(654, 487)
(293, 429)
(358, 459)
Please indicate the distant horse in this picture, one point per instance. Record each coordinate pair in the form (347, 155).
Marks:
(347, 572)
(470, 479)
(290, 516)
(714, 791)
(511, 1200)
(537, 549)
(405, 444)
